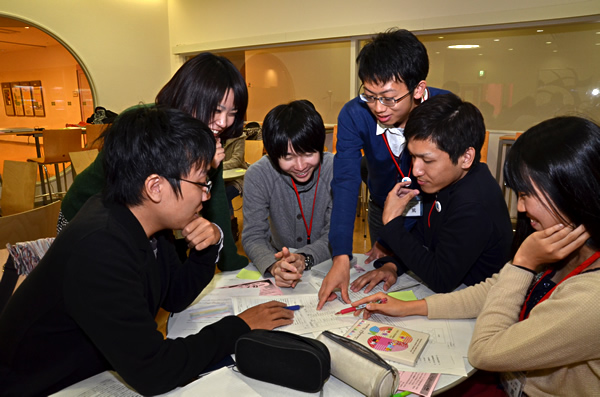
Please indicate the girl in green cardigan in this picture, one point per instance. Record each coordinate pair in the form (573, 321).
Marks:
(210, 88)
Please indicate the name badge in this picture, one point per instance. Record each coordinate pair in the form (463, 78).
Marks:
(414, 207)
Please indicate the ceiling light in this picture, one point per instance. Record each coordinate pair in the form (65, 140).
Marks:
(595, 92)
(441, 37)
(540, 30)
(463, 46)
(496, 39)
(548, 42)
(510, 49)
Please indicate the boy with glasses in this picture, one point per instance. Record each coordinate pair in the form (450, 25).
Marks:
(89, 306)
(393, 68)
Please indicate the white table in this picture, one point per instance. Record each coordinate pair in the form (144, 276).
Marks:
(226, 381)
(333, 386)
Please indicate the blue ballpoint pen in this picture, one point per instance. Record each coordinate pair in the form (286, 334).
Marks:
(295, 307)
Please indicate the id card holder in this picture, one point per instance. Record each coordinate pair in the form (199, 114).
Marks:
(513, 383)
(414, 207)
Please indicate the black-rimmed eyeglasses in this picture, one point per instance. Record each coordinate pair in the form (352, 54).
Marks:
(207, 185)
(389, 102)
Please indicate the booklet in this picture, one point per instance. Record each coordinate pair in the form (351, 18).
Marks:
(390, 342)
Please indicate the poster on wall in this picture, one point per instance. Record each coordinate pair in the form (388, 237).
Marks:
(18, 99)
(9, 107)
(27, 93)
(38, 98)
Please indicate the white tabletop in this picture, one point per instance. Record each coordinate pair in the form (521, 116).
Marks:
(228, 381)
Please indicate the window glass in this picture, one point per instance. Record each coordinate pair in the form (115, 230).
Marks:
(520, 77)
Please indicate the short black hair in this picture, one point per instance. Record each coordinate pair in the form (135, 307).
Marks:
(297, 122)
(146, 140)
(200, 84)
(560, 157)
(395, 54)
(452, 124)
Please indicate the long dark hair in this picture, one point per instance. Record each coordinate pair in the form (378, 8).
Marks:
(561, 157)
(199, 86)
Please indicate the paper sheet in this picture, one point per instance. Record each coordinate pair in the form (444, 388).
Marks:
(403, 282)
(266, 287)
(307, 319)
(105, 384)
(418, 383)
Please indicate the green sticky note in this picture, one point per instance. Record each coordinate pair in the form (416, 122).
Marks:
(403, 295)
(248, 275)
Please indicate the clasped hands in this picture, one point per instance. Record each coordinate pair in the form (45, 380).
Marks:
(288, 269)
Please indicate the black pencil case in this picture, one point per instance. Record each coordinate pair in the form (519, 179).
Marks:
(284, 359)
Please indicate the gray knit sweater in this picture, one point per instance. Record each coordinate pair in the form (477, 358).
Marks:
(272, 218)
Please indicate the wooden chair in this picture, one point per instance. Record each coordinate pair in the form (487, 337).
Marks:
(92, 132)
(484, 148)
(57, 146)
(82, 159)
(25, 226)
(18, 187)
(253, 151)
(29, 225)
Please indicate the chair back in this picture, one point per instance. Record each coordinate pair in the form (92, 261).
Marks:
(59, 143)
(29, 225)
(484, 148)
(81, 160)
(18, 187)
(92, 132)
(253, 151)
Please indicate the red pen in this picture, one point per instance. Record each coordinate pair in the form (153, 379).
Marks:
(359, 307)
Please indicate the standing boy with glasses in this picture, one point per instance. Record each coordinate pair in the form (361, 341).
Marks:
(392, 68)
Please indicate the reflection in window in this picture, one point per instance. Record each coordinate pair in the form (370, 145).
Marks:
(520, 77)
(517, 77)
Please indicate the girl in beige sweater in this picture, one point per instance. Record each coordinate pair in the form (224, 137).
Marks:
(540, 315)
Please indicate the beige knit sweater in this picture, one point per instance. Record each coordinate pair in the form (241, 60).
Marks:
(558, 346)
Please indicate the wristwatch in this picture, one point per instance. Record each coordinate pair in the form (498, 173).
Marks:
(309, 261)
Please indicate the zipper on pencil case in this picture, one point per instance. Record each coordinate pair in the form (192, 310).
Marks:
(358, 349)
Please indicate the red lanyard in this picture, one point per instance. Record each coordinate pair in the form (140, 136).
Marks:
(575, 272)
(429, 216)
(308, 229)
(394, 157)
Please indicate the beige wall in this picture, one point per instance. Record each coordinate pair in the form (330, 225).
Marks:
(209, 25)
(123, 44)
